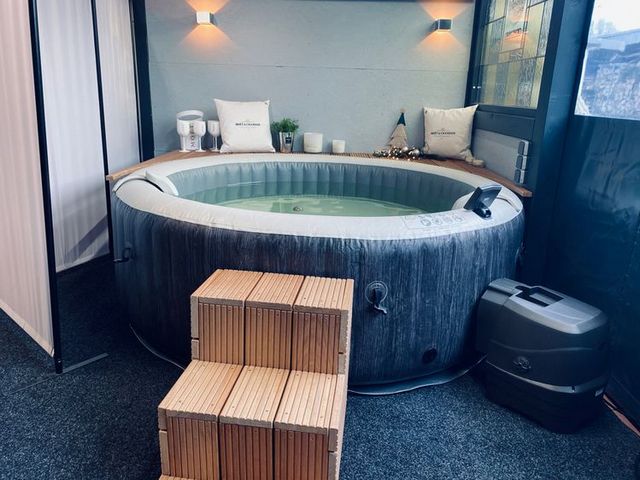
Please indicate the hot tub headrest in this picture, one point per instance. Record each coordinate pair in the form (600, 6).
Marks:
(137, 178)
(162, 182)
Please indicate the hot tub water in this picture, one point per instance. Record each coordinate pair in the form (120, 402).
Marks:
(323, 205)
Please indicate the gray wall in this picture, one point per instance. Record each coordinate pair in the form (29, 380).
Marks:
(343, 68)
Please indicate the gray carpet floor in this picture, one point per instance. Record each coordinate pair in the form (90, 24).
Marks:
(99, 422)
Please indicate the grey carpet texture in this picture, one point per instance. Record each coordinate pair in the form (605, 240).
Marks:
(99, 422)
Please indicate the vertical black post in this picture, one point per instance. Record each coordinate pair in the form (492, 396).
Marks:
(475, 54)
(143, 89)
(46, 187)
(103, 127)
(561, 68)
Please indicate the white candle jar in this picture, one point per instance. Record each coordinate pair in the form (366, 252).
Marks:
(313, 142)
(338, 146)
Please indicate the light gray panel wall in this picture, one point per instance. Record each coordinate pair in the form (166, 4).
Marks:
(344, 68)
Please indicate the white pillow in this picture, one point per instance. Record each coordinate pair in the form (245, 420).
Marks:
(244, 126)
(447, 133)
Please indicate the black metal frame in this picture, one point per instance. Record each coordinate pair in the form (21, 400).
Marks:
(143, 88)
(46, 188)
(145, 141)
(475, 50)
(143, 96)
(583, 52)
(561, 68)
(103, 129)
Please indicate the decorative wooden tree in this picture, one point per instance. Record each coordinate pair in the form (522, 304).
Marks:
(399, 136)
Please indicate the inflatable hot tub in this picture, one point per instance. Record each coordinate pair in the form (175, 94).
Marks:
(420, 262)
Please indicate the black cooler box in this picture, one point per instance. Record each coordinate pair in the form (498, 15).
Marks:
(546, 354)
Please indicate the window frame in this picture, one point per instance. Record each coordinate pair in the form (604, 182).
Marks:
(509, 120)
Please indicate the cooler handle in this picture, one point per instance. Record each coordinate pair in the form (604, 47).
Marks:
(538, 295)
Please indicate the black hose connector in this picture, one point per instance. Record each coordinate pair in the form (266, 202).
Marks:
(126, 255)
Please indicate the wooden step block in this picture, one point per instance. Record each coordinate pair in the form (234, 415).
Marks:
(188, 420)
(309, 425)
(246, 424)
(268, 315)
(337, 424)
(321, 325)
(217, 316)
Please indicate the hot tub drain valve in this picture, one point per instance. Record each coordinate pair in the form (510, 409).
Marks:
(375, 293)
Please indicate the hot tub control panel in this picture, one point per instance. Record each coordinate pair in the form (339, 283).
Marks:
(433, 220)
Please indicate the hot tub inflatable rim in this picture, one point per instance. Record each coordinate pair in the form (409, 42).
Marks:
(150, 190)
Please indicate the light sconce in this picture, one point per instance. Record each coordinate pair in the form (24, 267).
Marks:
(205, 18)
(442, 25)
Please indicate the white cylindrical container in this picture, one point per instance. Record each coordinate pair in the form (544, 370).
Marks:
(338, 146)
(313, 142)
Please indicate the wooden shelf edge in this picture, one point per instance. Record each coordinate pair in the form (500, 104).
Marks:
(446, 163)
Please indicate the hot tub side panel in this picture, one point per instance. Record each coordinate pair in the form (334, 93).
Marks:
(433, 283)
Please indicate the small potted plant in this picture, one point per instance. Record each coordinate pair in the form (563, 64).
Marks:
(286, 130)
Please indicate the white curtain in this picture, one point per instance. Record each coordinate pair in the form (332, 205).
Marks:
(73, 131)
(73, 117)
(24, 289)
(118, 83)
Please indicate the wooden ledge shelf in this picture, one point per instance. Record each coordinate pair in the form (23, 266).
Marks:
(454, 164)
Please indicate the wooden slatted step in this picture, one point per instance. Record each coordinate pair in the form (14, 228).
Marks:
(309, 425)
(246, 424)
(321, 325)
(270, 367)
(268, 315)
(188, 420)
(217, 316)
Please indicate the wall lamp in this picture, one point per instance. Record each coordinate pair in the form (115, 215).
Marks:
(442, 25)
(205, 18)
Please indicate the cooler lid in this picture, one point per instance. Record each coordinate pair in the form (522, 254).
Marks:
(555, 310)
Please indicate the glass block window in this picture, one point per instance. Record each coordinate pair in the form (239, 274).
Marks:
(610, 84)
(513, 40)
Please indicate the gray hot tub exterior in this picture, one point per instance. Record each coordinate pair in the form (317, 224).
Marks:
(434, 284)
